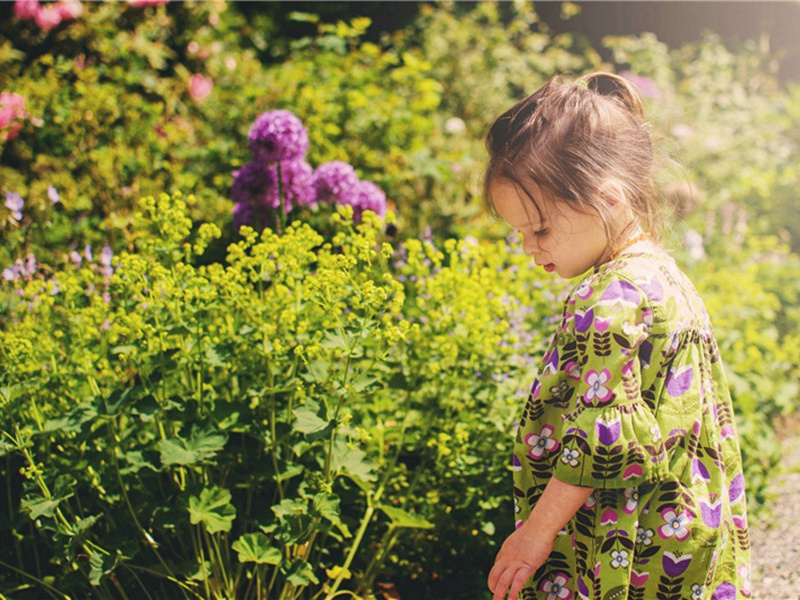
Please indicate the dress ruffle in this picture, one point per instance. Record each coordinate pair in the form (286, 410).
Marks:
(615, 446)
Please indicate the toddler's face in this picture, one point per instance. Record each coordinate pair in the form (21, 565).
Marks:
(563, 240)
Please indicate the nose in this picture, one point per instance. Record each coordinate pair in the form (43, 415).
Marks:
(529, 245)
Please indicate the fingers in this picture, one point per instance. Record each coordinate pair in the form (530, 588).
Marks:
(501, 579)
(519, 580)
(494, 574)
(502, 584)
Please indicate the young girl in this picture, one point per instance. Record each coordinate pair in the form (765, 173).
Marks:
(627, 471)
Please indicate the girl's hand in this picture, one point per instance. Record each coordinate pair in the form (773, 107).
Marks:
(523, 552)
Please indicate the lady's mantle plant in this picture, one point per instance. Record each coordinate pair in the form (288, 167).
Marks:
(265, 428)
(278, 179)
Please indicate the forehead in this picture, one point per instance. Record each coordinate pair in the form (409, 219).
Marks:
(514, 205)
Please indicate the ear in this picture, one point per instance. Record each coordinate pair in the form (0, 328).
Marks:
(613, 194)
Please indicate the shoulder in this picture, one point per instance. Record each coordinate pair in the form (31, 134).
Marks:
(615, 298)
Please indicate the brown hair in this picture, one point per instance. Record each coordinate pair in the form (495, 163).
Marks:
(570, 138)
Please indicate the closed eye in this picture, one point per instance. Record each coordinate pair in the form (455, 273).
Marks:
(541, 232)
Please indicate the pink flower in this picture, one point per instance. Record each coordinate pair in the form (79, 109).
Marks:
(675, 524)
(609, 517)
(541, 443)
(26, 9)
(69, 9)
(140, 3)
(48, 18)
(632, 471)
(639, 579)
(601, 324)
(200, 86)
(12, 108)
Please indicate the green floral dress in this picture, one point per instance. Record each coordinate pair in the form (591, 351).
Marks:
(631, 400)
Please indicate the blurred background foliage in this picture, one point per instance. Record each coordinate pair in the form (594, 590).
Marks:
(113, 114)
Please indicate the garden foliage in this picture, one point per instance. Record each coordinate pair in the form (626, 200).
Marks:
(200, 400)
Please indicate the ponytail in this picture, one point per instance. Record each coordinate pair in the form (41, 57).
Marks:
(609, 84)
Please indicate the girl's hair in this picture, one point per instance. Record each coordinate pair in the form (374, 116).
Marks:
(571, 138)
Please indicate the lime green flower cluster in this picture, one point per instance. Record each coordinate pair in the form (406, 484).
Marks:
(284, 410)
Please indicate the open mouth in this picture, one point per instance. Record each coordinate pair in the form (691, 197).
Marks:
(549, 267)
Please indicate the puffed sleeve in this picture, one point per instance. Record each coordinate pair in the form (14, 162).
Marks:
(610, 436)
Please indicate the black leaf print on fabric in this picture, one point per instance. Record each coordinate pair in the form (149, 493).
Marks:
(607, 462)
(601, 343)
(669, 588)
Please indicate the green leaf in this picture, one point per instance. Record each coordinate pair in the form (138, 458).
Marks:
(202, 445)
(72, 422)
(352, 461)
(300, 573)
(363, 381)
(327, 505)
(39, 506)
(254, 547)
(101, 565)
(116, 401)
(213, 509)
(317, 371)
(401, 518)
(333, 340)
(308, 419)
(137, 461)
(146, 407)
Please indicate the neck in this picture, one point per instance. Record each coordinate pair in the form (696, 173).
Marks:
(634, 237)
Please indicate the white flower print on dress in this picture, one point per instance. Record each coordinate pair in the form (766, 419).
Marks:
(597, 389)
(555, 588)
(644, 536)
(675, 524)
(541, 443)
(655, 432)
(619, 558)
(698, 591)
(570, 457)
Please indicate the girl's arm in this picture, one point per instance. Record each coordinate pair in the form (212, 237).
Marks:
(528, 547)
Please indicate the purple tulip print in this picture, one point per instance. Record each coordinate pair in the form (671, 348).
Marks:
(621, 291)
(711, 513)
(608, 431)
(675, 566)
(679, 381)
(584, 321)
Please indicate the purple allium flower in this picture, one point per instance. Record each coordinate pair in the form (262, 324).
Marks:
(297, 184)
(87, 252)
(646, 86)
(257, 185)
(251, 182)
(76, 258)
(52, 193)
(278, 135)
(242, 214)
(10, 273)
(370, 197)
(335, 183)
(14, 203)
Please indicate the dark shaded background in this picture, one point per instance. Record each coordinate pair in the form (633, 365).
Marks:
(673, 22)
